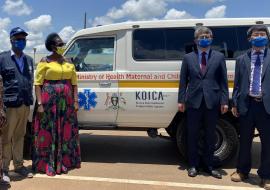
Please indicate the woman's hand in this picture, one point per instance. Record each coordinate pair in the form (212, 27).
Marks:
(76, 106)
(40, 109)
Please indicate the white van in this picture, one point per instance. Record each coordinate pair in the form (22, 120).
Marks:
(129, 74)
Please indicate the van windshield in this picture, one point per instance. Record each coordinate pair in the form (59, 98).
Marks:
(92, 54)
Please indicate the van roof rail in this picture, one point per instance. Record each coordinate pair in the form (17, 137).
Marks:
(199, 24)
(136, 26)
(259, 22)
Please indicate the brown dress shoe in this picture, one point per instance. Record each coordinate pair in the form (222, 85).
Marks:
(265, 183)
(238, 177)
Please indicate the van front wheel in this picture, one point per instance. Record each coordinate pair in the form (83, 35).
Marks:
(226, 144)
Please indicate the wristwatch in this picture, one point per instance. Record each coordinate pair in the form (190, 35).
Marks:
(39, 103)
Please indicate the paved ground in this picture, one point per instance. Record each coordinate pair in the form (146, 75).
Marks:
(124, 160)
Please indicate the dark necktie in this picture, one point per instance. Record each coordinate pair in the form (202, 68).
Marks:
(256, 76)
(203, 63)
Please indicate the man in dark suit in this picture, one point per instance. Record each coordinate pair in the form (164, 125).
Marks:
(203, 92)
(251, 103)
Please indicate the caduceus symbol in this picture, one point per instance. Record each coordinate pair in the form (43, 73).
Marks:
(87, 99)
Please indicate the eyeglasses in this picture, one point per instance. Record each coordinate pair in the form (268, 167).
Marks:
(255, 34)
(204, 37)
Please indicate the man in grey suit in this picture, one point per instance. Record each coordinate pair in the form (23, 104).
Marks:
(251, 103)
(203, 93)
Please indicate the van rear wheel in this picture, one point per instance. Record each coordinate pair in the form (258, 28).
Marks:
(226, 144)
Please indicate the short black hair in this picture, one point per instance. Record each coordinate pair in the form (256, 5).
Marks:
(50, 40)
(259, 27)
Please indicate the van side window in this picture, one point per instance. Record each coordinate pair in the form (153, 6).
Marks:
(179, 42)
(162, 44)
(174, 43)
(231, 41)
(92, 54)
(243, 42)
(149, 44)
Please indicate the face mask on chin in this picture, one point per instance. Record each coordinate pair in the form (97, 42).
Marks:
(259, 41)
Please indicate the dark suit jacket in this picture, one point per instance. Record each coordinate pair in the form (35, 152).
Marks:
(242, 82)
(212, 85)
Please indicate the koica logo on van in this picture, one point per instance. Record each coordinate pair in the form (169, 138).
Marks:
(154, 95)
(150, 100)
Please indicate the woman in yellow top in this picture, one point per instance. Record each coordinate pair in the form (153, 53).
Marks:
(56, 141)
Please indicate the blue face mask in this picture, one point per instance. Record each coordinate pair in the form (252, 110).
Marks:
(204, 42)
(19, 44)
(259, 41)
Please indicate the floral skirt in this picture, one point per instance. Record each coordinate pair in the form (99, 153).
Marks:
(55, 132)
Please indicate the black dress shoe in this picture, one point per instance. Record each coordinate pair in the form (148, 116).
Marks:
(214, 173)
(192, 172)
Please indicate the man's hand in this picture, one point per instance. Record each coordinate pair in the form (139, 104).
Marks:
(224, 109)
(235, 112)
(181, 107)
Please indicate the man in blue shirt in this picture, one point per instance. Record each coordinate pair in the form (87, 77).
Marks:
(16, 69)
(251, 103)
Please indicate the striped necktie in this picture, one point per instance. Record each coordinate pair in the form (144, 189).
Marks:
(255, 90)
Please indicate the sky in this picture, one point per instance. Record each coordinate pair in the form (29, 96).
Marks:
(39, 18)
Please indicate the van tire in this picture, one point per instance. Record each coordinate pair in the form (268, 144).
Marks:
(226, 144)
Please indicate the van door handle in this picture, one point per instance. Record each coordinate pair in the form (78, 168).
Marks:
(105, 84)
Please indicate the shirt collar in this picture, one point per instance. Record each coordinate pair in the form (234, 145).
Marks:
(13, 54)
(253, 51)
(200, 51)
